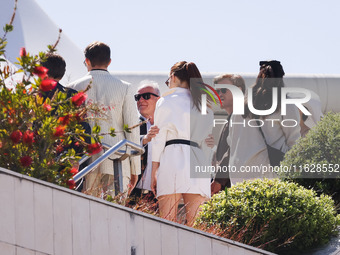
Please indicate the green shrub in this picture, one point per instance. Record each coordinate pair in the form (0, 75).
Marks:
(272, 214)
(320, 148)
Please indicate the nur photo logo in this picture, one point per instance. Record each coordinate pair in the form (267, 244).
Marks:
(285, 94)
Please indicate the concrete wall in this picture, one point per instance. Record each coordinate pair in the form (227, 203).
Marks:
(39, 218)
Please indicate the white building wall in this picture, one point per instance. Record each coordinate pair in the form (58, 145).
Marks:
(327, 87)
(39, 218)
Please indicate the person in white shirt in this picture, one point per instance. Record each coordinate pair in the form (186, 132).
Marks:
(176, 150)
(221, 157)
(147, 96)
(248, 151)
(116, 98)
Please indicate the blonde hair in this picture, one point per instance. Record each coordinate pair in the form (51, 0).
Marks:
(236, 80)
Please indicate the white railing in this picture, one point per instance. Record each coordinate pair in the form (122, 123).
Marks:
(131, 149)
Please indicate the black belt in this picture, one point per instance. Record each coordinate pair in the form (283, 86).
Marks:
(181, 141)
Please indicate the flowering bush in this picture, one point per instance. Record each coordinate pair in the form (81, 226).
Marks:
(41, 136)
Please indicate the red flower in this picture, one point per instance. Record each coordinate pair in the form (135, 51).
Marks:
(65, 120)
(28, 137)
(47, 107)
(23, 52)
(40, 71)
(74, 171)
(26, 161)
(94, 148)
(47, 85)
(79, 98)
(59, 131)
(59, 149)
(71, 184)
(16, 136)
(0, 144)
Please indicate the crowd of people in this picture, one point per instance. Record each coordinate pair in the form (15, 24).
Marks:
(177, 134)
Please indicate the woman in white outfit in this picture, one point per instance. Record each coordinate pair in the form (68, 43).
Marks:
(176, 150)
(248, 149)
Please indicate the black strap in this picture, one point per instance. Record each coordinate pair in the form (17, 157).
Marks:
(181, 141)
(258, 123)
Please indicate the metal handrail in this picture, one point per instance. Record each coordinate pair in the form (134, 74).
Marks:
(116, 149)
(106, 147)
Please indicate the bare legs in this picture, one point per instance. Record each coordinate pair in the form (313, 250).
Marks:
(192, 203)
(168, 206)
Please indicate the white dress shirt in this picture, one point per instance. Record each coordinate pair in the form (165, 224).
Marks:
(145, 181)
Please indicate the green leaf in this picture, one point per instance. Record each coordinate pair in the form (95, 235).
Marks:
(8, 28)
(3, 45)
(96, 129)
(112, 132)
(126, 128)
(3, 131)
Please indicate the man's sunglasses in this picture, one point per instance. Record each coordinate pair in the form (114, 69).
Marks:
(145, 96)
(223, 90)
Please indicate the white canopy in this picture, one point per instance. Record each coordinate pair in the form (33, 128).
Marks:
(34, 30)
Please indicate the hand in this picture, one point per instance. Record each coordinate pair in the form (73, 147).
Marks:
(133, 182)
(153, 131)
(210, 141)
(215, 187)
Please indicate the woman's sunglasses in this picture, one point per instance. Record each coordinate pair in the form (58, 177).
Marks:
(167, 81)
(145, 96)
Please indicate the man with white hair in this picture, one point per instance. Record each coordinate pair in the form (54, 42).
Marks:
(147, 96)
